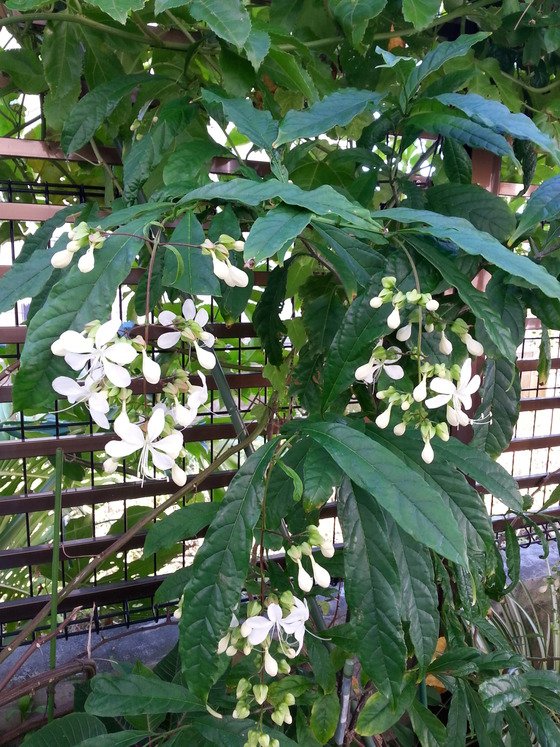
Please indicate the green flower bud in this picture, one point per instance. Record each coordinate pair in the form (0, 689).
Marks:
(243, 687)
(283, 667)
(260, 692)
(289, 699)
(287, 600)
(253, 608)
(389, 282)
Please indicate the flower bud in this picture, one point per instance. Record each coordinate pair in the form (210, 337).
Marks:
(260, 692)
(474, 347)
(376, 302)
(394, 319)
(110, 466)
(399, 429)
(389, 282)
(270, 664)
(241, 711)
(283, 667)
(427, 453)
(86, 263)
(243, 687)
(61, 259)
(445, 346)
(264, 740)
(289, 699)
(253, 608)
(382, 421)
(420, 392)
(432, 305)
(287, 600)
(404, 333)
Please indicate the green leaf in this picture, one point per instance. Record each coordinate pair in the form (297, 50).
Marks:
(266, 317)
(257, 47)
(474, 242)
(173, 586)
(378, 714)
(320, 475)
(127, 738)
(285, 69)
(480, 467)
(69, 731)
(62, 55)
(353, 342)
(456, 161)
(443, 52)
(500, 395)
(91, 111)
(146, 154)
(228, 19)
(498, 117)
(427, 727)
(418, 593)
(219, 571)
(480, 720)
(324, 716)
(500, 692)
(321, 201)
(517, 730)
(73, 302)
(323, 312)
(295, 478)
(513, 557)
(190, 161)
(232, 732)
(477, 300)
(118, 9)
(179, 525)
(457, 717)
(197, 275)
(280, 487)
(136, 696)
(462, 130)
(542, 205)
(255, 124)
(545, 729)
(339, 108)
(275, 232)
(372, 589)
(320, 660)
(360, 259)
(25, 70)
(486, 211)
(420, 12)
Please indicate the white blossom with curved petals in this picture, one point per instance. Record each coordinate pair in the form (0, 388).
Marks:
(455, 396)
(88, 392)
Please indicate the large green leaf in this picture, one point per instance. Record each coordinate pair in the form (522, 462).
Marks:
(62, 54)
(466, 504)
(275, 232)
(179, 525)
(420, 12)
(118, 9)
(257, 47)
(379, 714)
(414, 505)
(196, 276)
(427, 726)
(542, 205)
(354, 16)
(136, 696)
(227, 731)
(474, 242)
(73, 302)
(266, 317)
(127, 738)
(359, 258)
(228, 19)
(478, 302)
(91, 111)
(219, 571)
(337, 109)
(25, 70)
(485, 210)
(419, 606)
(517, 729)
(443, 52)
(498, 117)
(146, 154)
(457, 717)
(322, 201)
(324, 716)
(372, 590)
(320, 475)
(69, 731)
(286, 70)
(507, 690)
(456, 161)
(353, 342)
(499, 408)
(480, 467)
(255, 124)
(461, 129)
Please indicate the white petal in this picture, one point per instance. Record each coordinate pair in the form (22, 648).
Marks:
(150, 369)
(443, 386)
(162, 461)
(68, 388)
(183, 415)
(394, 372)
(61, 259)
(270, 665)
(420, 392)
(74, 342)
(107, 332)
(167, 318)
(274, 612)
(77, 361)
(201, 317)
(120, 449)
(156, 424)
(189, 309)
(208, 339)
(121, 353)
(382, 421)
(220, 268)
(305, 582)
(86, 263)
(365, 372)
(178, 475)
(256, 629)
(240, 279)
(129, 431)
(321, 575)
(205, 357)
(472, 387)
(171, 444)
(168, 339)
(428, 453)
(117, 375)
(451, 416)
(97, 401)
(404, 333)
(394, 319)
(438, 401)
(100, 418)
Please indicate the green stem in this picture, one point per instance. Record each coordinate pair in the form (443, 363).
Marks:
(423, 692)
(532, 89)
(54, 573)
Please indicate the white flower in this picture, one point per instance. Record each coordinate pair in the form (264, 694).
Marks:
(445, 346)
(86, 263)
(257, 629)
(150, 369)
(61, 259)
(104, 358)
(404, 333)
(191, 330)
(432, 305)
(163, 451)
(88, 393)
(474, 347)
(454, 396)
(394, 319)
(224, 642)
(399, 429)
(230, 274)
(427, 452)
(420, 392)
(376, 302)
(374, 366)
(382, 421)
(270, 664)
(198, 395)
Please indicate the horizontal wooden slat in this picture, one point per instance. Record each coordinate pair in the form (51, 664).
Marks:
(535, 442)
(532, 404)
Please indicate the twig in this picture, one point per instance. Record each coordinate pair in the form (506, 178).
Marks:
(105, 166)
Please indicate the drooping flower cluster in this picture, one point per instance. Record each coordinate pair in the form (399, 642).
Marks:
(79, 237)
(453, 386)
(190, 329)
(223, 268)
(320, 575)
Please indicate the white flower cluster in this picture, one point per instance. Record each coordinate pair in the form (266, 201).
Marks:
(453, 386)
(102, 358)
(79, 237)
(188, 329)
(223, 268)
(320, 575)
